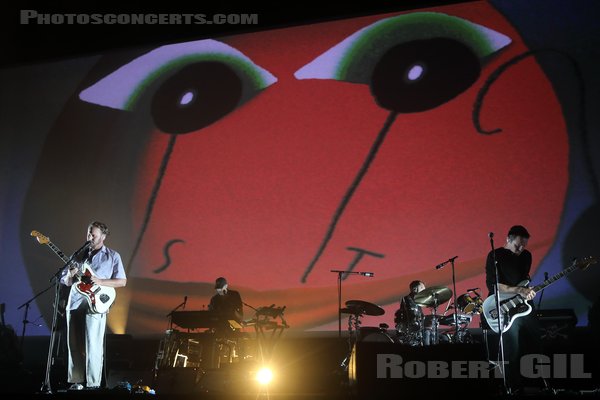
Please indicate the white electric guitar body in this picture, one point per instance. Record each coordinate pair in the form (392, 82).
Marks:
(513, 306)
(99, 298)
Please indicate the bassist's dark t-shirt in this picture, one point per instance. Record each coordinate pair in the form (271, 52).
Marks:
(512, 268)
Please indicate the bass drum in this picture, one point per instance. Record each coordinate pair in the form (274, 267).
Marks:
(374, 334)
(379, 337)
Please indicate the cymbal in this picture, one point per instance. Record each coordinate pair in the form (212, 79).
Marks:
(428, 296)
(362, 307)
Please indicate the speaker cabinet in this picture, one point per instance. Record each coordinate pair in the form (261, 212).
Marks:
(387, 370)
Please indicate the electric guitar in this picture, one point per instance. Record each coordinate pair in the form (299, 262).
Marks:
(513, 306)
(99, 298)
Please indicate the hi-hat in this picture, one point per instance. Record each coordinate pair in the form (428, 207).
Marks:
(360, 307)
(434, 295)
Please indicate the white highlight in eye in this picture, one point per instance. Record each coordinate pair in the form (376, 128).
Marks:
(187, 98)
(415, 72)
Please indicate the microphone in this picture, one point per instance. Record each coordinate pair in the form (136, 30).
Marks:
(370, 274)
(445, 262)
(491, 235)
(85, 246)
(184, 301)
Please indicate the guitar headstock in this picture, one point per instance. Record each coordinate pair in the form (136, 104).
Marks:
(585, 262)
(40, 238)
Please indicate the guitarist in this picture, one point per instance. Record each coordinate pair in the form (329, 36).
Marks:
(85, 329)
(514, 264)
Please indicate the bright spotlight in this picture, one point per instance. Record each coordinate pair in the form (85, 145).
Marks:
(264, 376)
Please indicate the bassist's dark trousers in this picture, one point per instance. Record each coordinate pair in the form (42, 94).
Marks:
(523, 337)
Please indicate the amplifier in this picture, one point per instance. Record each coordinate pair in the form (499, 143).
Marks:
(556, 323)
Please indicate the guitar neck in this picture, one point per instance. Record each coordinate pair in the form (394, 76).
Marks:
(556, 277)
(58, 251)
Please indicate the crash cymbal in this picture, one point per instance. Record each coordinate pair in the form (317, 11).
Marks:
(363, 307)
(429, 296)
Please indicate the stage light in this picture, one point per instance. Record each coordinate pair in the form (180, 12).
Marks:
(264, 376)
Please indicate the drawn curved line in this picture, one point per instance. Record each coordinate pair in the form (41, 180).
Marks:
(152, 199)
(167, 256)
(478, 104)
(350, 192)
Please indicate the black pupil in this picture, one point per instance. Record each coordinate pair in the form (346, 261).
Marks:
(423, 74)
(195, 97)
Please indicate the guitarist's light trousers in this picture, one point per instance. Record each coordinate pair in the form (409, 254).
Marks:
(86, 347)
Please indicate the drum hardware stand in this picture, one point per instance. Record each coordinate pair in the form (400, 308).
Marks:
(353, 331)
(434, 320)
(501, 364)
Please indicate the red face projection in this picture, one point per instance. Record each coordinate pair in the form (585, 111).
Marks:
(275, 157)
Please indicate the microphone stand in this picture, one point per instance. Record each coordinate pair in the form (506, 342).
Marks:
(25, 320)
(46, 385)
(339, 289)
(542, 294)
(454, 300)
(500, 322)
(451, 261)
(170, 315)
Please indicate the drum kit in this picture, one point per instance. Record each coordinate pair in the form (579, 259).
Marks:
(413, 328)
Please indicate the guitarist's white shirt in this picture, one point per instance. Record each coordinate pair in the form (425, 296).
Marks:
(106, 264)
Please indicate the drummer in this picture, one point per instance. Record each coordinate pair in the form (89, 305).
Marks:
(410, 319)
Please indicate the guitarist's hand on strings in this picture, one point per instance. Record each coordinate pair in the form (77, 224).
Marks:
(97, 281)
(73, 271)
(526, 292)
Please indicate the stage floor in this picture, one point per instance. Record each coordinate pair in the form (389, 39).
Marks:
(308, 366)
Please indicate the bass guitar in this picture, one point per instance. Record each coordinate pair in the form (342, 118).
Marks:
(99, 298)
(513, 306)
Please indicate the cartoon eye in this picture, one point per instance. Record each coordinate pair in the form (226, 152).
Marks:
(412, 62)
(195, 84)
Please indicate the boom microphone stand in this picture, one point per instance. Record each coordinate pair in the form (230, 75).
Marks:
(339, 287)
(46, 386)
(454, 300)
(25, 320)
